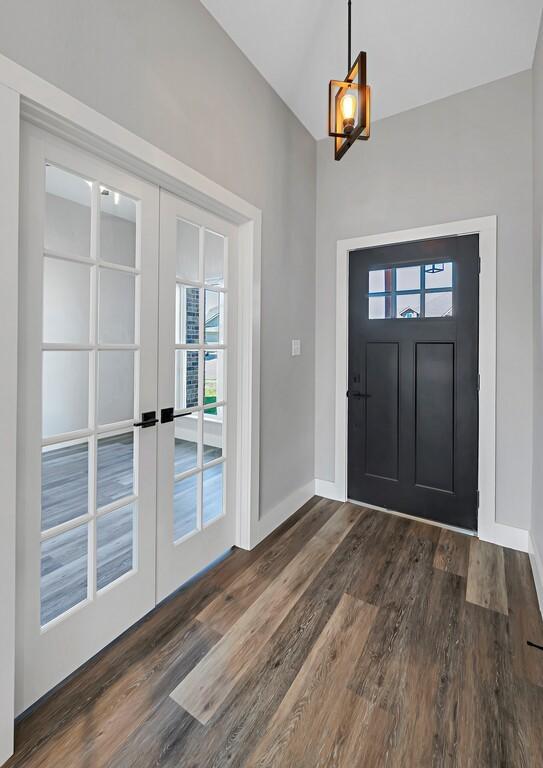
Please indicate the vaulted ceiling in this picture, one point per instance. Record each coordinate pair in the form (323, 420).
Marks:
(418, 50)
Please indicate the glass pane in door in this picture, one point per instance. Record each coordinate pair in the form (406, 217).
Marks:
(65, 392)
(118, 231)
(67, 228)
(114, 545)
(186, 432)
(187, 325)
(187, 379)
(213, 434)
(115, 468)
(66, 301)
(214, 317)
(64, 483)
(188, 251)
(115, 386)
(214, 258)
(212, 502)
(185, 507)
(64, 567)
(117, 292)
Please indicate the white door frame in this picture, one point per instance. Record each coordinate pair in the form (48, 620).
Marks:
(488, 528)
(25, 95)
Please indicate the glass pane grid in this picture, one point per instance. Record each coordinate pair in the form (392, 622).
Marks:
(199, 449)
(414, 291)
(88, 499)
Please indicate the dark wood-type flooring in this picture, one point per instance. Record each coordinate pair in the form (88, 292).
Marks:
(348, 638)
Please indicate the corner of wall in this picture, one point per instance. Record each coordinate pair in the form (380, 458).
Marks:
(536, 561)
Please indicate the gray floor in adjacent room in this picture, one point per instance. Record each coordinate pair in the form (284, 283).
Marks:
(65, 495)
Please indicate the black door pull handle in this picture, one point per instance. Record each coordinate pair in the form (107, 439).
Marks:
(358, 395)
(148, 419)
(167, 415)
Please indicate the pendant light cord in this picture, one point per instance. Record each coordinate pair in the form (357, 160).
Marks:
(349, 35)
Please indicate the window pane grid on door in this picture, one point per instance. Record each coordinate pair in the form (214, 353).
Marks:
(179, 476)
(416, 291)
(84, 403)
(200, 391)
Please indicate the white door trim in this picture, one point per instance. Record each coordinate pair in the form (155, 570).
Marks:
(488, 528)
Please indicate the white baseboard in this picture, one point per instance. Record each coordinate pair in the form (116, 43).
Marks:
(536, 561)
(281, 512)
(328, 490)
(505, 536)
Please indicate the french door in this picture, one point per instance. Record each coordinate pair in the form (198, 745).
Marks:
(88, 361)
(127, 375)
(197, 364)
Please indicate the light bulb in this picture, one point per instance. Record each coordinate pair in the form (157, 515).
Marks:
(348, 109)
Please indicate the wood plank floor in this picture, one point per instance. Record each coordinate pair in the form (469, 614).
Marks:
(349, 638)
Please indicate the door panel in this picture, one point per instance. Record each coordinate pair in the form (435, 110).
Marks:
(434, 435)
(413, 399)
(88, 362)
(197, 387)
(382, 381)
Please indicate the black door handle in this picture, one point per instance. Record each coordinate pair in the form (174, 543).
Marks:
(148, 419)
(358, 395)
(167, 415)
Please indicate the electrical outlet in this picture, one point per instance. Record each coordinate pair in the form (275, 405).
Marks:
(296, 347)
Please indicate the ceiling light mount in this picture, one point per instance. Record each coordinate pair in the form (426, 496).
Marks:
(349, 101)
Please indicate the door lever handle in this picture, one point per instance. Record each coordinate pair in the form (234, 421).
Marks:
(358, 395)
(148, 419)
(167, 415)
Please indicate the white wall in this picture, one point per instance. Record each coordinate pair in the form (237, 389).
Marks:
(141, 63)
(462, 157)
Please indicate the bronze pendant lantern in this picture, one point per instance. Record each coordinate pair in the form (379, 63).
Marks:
(349, 103)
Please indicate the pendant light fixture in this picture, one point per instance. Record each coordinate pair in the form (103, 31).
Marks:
(349, 102)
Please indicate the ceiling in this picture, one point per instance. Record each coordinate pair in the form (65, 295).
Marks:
(418, 50)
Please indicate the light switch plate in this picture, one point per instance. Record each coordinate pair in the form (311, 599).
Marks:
(296, 347)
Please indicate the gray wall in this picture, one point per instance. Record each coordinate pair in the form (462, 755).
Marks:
(465, 156)
(537, 501)
(143, 64)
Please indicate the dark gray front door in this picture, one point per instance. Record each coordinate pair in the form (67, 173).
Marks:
(413, 378)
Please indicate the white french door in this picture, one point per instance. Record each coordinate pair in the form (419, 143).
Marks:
(87, 372)
(197, 366)
(127, 403)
